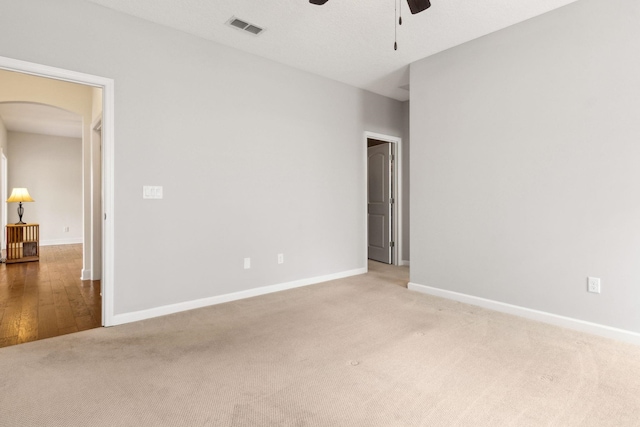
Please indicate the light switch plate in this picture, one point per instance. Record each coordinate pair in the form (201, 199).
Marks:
(151, 192)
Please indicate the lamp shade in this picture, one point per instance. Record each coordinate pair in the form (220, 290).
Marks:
(19, 195)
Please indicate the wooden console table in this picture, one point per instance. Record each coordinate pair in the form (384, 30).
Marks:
(23, 243)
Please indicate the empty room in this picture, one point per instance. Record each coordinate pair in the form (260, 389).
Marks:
(229, 159)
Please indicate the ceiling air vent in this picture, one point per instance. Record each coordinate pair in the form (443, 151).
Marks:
(244, 26)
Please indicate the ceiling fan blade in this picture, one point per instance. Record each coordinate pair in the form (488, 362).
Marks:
(318, 2)
(417, 6)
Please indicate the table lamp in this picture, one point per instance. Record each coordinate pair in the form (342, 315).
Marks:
(20, 195)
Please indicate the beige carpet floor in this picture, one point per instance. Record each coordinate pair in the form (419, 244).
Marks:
(361, 351)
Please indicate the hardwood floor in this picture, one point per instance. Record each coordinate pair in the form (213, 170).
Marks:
(47, 298)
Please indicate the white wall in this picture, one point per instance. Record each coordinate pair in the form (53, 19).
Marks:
(50, 167)
(524, 155)
(255, 158)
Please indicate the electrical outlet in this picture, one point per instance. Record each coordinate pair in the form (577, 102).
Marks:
(280, 258)
(66, 229)
(593, 284)
(247, 263)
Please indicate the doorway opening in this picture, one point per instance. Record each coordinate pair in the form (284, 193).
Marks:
(383, 220)
(98, 179)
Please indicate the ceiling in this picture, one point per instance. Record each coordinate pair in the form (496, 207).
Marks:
(350, 41)
(41, 119)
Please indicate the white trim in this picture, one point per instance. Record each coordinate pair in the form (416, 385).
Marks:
(135, 316)
(108, 127)
(4, 183)
(53, 242)
(405, 262)
(540, 316)
(96, 125)
(95, 264)
(85, 274)
(108, 209)
(397, 208)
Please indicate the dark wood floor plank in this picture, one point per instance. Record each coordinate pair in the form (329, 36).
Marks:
(76, 301)
(64, 314)
(11, 321)
(47, 322)
(69, 330)
(7, 341)
(90, 291)
(28, 330)
(85, 322)
(47, 298)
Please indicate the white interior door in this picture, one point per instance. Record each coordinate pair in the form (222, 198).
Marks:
(379, 203)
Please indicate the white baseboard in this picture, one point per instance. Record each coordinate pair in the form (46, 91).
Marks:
(53, 242)
(135, 316)
(85, 274)
(404, 262)
(540, 316)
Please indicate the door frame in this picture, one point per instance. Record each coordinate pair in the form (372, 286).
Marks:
(396, 223)
(4, 188)
(107, 86)
(96, 211)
